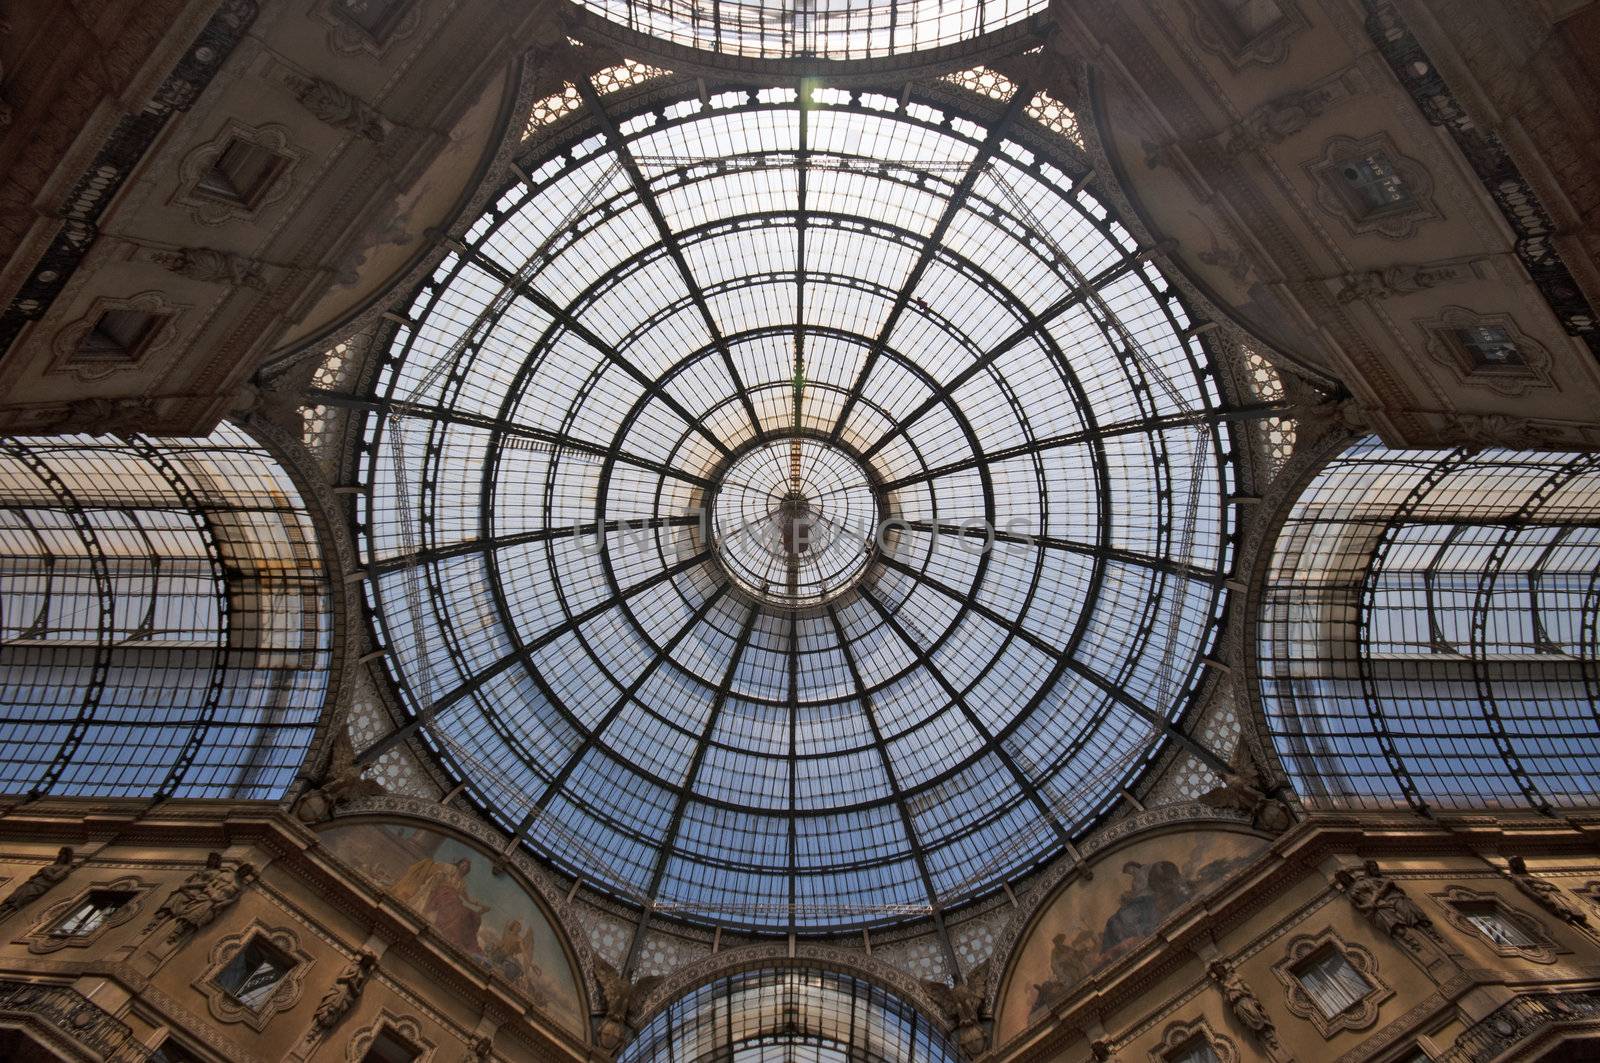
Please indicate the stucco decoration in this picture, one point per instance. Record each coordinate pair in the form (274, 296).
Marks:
(1182, 1035)
(283, 995)
(41, 940)
(1093, 922)
(208, 209)
(1359, 1015)
(1222, 31)
(1459, 901)
(1486, 351)
(404, 1027)
(492, 918)
(1371, 187)
(68, 343)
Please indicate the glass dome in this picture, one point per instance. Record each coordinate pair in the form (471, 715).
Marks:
(822, 29)
(796, 516)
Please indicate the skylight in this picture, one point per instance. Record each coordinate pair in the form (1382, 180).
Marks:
(796, 517)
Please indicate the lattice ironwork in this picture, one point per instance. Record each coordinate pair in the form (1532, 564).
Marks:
(997, 513)
(789, 1015)
(1428, 633)
(828, 29)
(164, 624)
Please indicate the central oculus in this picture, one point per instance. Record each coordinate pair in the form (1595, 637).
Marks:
(795, 521)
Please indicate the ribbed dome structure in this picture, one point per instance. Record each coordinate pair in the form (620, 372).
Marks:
(797, 516)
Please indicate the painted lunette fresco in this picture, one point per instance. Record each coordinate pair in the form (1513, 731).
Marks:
(489, 917)
(1092, 924)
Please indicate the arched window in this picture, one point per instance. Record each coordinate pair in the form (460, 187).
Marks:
(789, 1015)
(1428, 631)
(164, 624)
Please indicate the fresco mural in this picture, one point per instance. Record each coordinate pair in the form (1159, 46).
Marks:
(1091, 924)
(489, 917)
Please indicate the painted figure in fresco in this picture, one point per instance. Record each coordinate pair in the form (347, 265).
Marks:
(438, 890)
(1154, 892)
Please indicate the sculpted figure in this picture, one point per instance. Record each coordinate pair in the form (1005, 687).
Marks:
(1547, 895)
(962, 1004)
(202, 897)
(342, 995)
(621, 996)
(38, 884)
(1381, 900)
(341, 783)
(1248, 789)
(1245, 1005)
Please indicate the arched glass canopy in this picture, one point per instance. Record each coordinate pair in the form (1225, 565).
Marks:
(1429, 631)
(822, 29)
(789, 1015)
(164, 618)
(796, 517)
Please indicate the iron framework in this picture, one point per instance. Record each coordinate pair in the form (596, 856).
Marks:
(906, 288)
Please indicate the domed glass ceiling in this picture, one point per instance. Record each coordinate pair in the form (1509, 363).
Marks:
(796, 517)
(823, 29)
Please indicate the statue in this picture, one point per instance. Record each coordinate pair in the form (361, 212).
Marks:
(621, 1000)
(38, 884)
(1381, 900)
(1248, 789)
(342, 783)
(481, 1049)
(962, 1006)
(1547, 895)
(1244, 1005)
(342, 995)
(202, 897)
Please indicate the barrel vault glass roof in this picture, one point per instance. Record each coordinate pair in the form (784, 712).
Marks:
(789, 1015)
(900, 327)
(823, 29)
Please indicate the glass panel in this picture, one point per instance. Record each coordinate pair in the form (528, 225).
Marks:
(816, 547)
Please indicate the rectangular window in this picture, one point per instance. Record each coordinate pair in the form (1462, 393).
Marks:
(1332, 982)
(1489, 347)
(1490, 921)
(1194, 1050)
(377, 17)
(242, 173)
(390, 1047)
(119, 336)
(254, 972)
(1251, 18)
(92, 914)
(1373, 184)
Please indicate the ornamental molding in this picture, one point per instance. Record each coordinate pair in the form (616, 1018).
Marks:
(68, 340)
(1530, 372)
(222, 1005)
(1178, 1034)
(557, 906)
(1213, 30)
(1397, 222)
(347, 37)
(1360, 1015)
(405, 1026)
(42, 942)
(1544, 948)
(212, 211)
